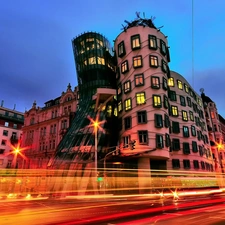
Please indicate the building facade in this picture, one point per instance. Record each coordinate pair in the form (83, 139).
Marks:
(11, 122)
(45, 127)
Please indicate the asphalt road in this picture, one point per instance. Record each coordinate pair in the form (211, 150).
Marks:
(136, 211)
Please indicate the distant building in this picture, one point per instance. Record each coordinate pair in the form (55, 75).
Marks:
(11, 122)
(44, 128)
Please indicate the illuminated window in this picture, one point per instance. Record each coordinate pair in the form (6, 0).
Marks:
(127, 104)
(143, 136)
(142, 117)
(165, 102)
(184, 115)
(6, 124)
(135, 42)
(193, 131)
(186, 148)
(157, 101)
(158, 121)
(174, 110)
(162, 47)
(185, 131)
(127, 86)
(186, 88)
(153, 61)
(186, 163)
(171, 82)
(159, 141)
(92, 60)
(191, 115)
(99, 43)
(124, 67)
(212, 115)
(155, 82)
(164, 66)
(140, 98)
(165, 83)
(120, 107)
(101, 61)
(127, 122)
(119, 89)
(139, 80)
(182, 101)
(179, 85)
(137, 61)
(121, 49)
(152, 42)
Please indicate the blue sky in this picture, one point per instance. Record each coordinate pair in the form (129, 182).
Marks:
(36, 57)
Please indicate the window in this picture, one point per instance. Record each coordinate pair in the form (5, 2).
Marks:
(186, 88)
(142, 117)
(2, 151)
(119, 89)
(185, 131)
(5, 132)
(182, 101)
(186, 163)
(165, 83)
(157, 101)
(124, 67)
(159, 141)
(3, 142)
(165, 102)
(127, 86)
(158, 121)
(164, 66)
(166, 121)
(140, 98)
(127, 104)
(202, 165)
(135, 42)
(175, 127)
(153, 61)
(176, 163)
(184, 115)
(6, 124)
(15, 126)
(167, 141)
(162, 47)
(126, 141)
(152, 42)
(171, 82)
(186, 148)
(196, 164)
(139, 80)
(117, 73)
(155, 82)
(176, 144)
(179, 85)
(174, 110)
(143, 136)
(191, 115)
(193, 131)
(137, 61)
(121, 49)
(172, 95)
(127, 122)
(194, 146)
(189, 102)
(120, 107)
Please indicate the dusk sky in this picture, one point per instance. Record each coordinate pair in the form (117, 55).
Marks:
(36, 57)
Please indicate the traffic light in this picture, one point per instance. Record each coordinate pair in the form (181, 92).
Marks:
(132, 145)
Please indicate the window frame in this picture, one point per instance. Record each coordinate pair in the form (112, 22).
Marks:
(139, 98)
(138, 78)
(143, 134)
(134, 45)
(159, 141)
(152, 38)
(158, 119)
(155, 82)
(123, 53)
(156, 101)
(123, 65)
(153, 61)
(127, 104)
(137, 59)
(142, 115)
(125, 88)
(127, 122)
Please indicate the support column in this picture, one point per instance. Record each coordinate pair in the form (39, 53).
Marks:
(144, 175)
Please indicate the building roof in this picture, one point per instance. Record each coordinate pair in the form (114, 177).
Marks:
(206, 98)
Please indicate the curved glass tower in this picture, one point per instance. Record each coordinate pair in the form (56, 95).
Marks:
(95, 71)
